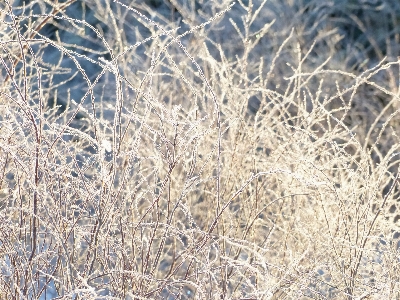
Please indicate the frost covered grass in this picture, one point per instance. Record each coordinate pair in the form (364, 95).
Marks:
(199, 150)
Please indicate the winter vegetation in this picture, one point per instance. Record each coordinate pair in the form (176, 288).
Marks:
(182, 149)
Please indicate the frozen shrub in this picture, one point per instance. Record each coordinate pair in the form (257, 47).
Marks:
(203, 150)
